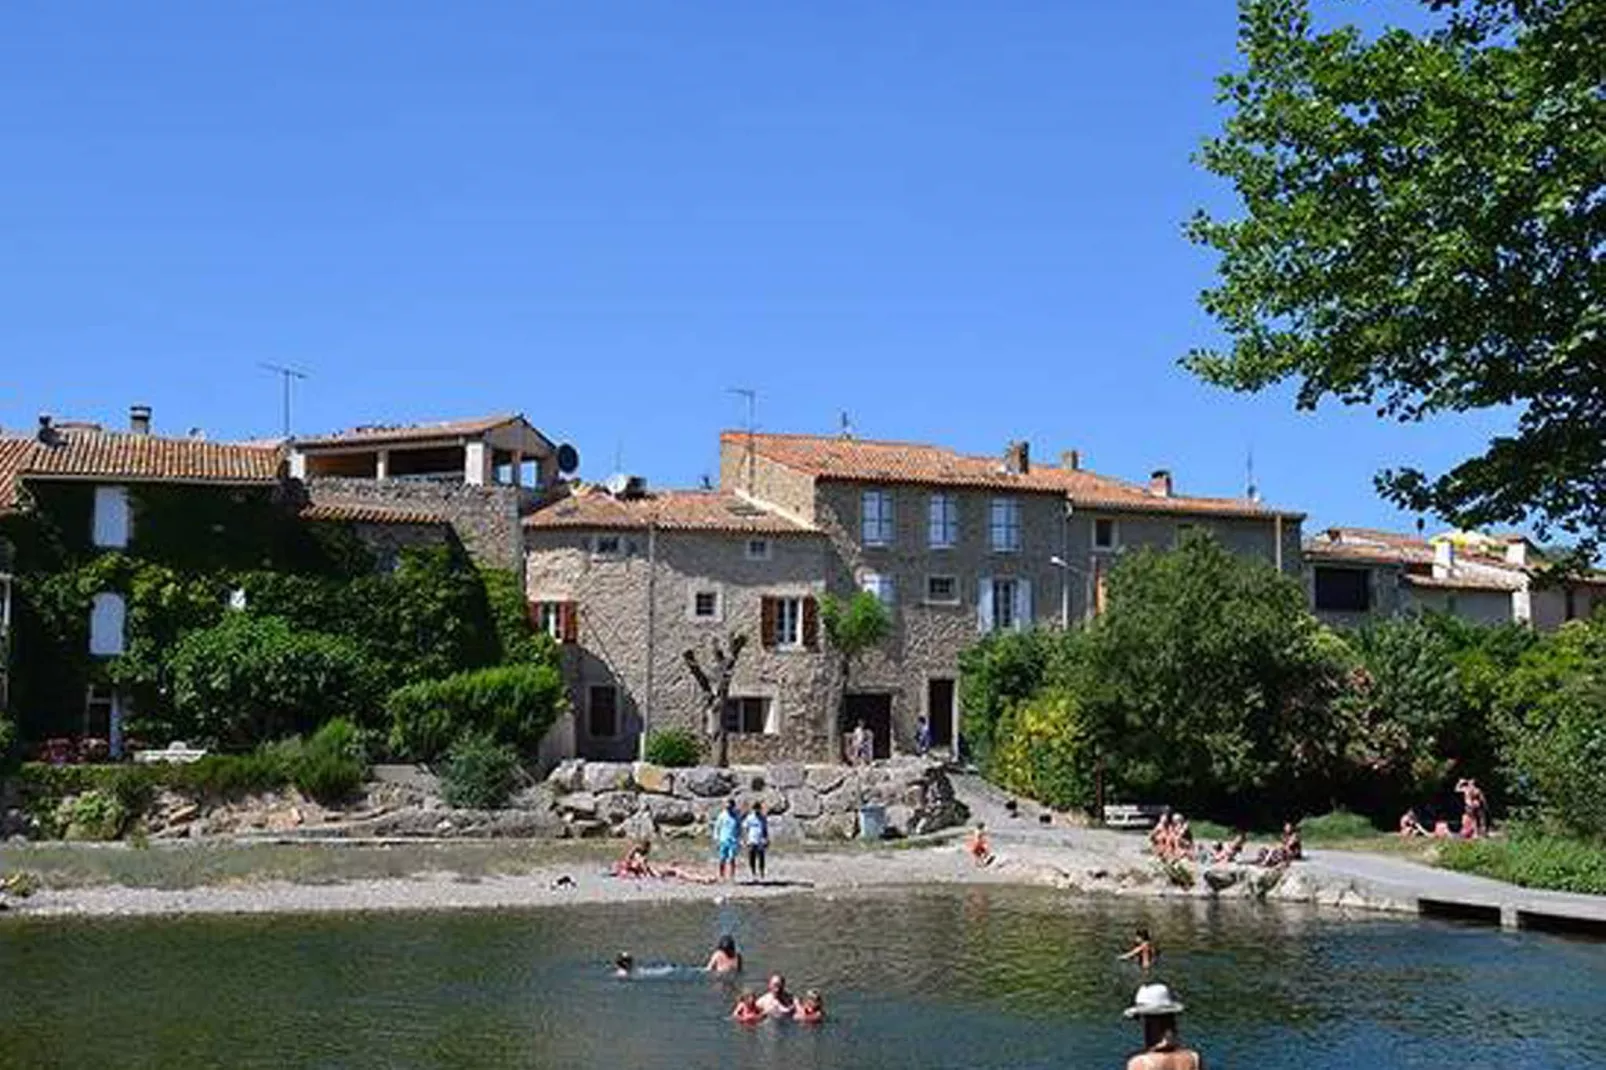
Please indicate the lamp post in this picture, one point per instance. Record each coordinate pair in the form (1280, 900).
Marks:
(1065, 568)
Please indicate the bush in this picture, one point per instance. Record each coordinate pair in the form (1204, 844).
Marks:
(514, 704)
(674, 747)
(1003, 669)
(480, 773)
(251, 679)
(8, 739)
(330, 766)
(1532, 860)
(1337, 827)
(93, 815)
(1043, 749)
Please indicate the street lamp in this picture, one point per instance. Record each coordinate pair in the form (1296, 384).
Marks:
(1065, 587)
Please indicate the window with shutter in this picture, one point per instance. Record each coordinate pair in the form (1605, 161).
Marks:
(984, 605)
(811, 624)
(766, 623)
(570, 617)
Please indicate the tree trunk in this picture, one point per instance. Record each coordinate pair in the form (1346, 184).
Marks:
(834, 729)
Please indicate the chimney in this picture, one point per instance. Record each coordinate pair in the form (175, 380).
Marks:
(47, 430)
(1517, 552)
(1071, 460)
(1160, 482)
(139, 419)
(1017, 459)
(1443, 557)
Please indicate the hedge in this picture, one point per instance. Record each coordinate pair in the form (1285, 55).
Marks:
(513, 704)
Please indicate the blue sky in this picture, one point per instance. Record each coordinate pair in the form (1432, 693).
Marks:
(961, 225)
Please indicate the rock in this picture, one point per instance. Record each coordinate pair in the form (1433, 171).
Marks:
(617, 806)
(578, 804)
(536, 797)
(606, 776)
(707, 782)
(841, 801)
(900, 820)
(833, 826)
(804, 803)
(568, 776)
(638, 826)
(826, 778)
(669, 811)
(183, 815)
(913, 795)
(786, 829)
(444, 825)
(1220, 878)
(653, 778)
(586, 830)
(785, 776)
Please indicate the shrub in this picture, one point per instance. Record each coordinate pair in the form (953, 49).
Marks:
(1336, 827)
(674, 747)
(1003, 669)
(8, 739)
(330, 766)
(1532, 860)
(480, 773)
(514, 704)
(251, 679)
(1043, 749)
(92, 815)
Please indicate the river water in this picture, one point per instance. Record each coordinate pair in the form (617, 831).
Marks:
(930, 978)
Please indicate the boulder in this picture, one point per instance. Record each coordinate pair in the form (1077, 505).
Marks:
(669, 811)
(578, 804)
(785, 776)
(606, 776)
(900, 821)
(707, 782)
(804, 803)
(786, 829)
(826, 778)
(653, 778)
(840, 826)
(568, 776)
(638, 826)
(586, 830)
(536, 797)
(615, 807)
(1220, 878)
(841, 801)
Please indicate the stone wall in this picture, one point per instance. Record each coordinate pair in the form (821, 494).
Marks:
(815, 802)
(486, 519)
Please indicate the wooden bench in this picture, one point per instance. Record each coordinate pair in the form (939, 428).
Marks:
(1133, 815)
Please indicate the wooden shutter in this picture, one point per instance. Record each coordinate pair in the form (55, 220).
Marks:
(1023, 605)
(811, 624)
(569, 622)
(766, 623)
(533, 608)
(984, 604)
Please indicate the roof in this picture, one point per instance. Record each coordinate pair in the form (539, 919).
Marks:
(77, 452)
(1366, 545)
(1483, 580)
(362, 513)
(669, 510)
(868, 461)
(377, 434)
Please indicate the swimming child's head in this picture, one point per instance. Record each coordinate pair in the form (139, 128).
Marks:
(624, 962)
(812, 997)
(727, 944)
(1143, 933)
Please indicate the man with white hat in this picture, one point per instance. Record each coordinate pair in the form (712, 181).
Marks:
(1162, 1048)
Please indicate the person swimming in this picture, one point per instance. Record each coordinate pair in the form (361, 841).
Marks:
(747, 1009)
(725, 959)
(777, 1002)
(810, 1009)
(624, 965)
(1143, 951)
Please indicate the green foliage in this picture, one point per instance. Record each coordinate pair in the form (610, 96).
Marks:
(855, 625)
(674, 747)
(1422, 235)
(330, 766)
(480, 773)
(514, 704)
(1046, 751)
(251, 679)
(1003, 669)
(517, 641)
(93, 815)
(1532, 860)
(1337, 827)
(8, 744)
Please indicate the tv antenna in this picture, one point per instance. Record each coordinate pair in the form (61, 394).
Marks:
(751, 396)
(846, 425)
(287, 375)
(1252, 492)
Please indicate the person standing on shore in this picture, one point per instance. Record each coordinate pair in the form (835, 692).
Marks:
(923, 736)
(1163, 1049)
(727, 842)
(756, 834)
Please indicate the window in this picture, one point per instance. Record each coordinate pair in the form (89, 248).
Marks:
(875, 527)
(879, 585)
(758, 549)
(1004, 604)
(100, 706)
(1003, 525)
(942, 522)
(111, 517)
(106, 617)
(1104, 533)
(789, 623)
(1343, 590)
(942, 590)
(751, 715)
(705, 605)
(607, 546)
(602, 711)
(560, 620)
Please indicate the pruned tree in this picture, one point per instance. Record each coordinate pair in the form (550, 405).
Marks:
(715, 684)
(852, 627)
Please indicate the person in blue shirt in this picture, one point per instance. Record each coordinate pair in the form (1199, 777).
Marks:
(756, 834)
(727, 839)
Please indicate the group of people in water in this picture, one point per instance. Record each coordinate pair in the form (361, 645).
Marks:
(1172, 840)
(1474, 816)
(776, 1002)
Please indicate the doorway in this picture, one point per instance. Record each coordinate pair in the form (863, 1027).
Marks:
(875, 710)
(941, 712)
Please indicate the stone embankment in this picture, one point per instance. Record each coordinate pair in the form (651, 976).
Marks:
(814, 802)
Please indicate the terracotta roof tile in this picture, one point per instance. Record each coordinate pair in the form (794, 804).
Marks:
(13, 454)
(363, 513)
(79, 454)
(410, 432)
(1483, 580)
(1368, 545)
(868, 461)
(670, 510)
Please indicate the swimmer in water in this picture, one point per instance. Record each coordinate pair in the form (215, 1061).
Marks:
(747, 1009)
(1143, 951)
(811, 1009)
(624, 966)
(777, 1002)
(725, 959)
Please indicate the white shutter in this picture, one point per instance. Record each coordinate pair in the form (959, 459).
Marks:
(1023, 605)
(772, 717)
(984, 604)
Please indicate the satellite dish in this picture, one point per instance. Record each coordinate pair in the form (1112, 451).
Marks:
(568, 458)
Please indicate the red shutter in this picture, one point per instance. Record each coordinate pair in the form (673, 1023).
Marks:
(766, 623)
(569, 621)
(811, 624)
(533, 608)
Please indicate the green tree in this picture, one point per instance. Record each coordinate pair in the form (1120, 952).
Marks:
(1047, 750)
(852, 628)
(1424, 219)
(1003, 669)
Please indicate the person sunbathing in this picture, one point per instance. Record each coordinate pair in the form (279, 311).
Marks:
(1293, 846)
(634, 864)
(1229, 854)
(979, 850)
(1411, 825)
(810, 1009)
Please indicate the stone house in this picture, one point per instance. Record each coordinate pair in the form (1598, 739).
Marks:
(1357, 574)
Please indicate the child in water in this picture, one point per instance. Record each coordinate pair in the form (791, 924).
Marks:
(978, 848)
(1143, 951)
(811, 1009)
(747, 1009)
(624, 966)
(725, 959)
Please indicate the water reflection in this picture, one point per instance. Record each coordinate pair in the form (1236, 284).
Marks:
(933, 978)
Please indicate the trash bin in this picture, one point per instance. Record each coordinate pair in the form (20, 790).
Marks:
(872, 822)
